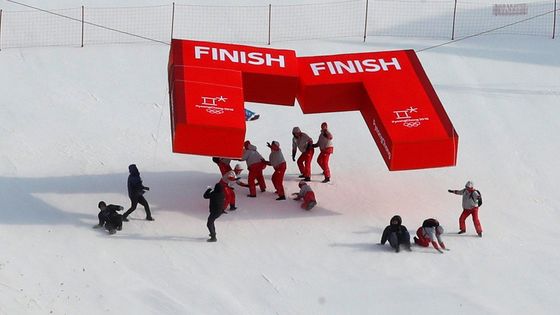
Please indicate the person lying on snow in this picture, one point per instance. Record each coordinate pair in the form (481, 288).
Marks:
(307, 194)
(109, 217)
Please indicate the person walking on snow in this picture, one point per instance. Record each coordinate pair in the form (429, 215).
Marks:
(302, 142)
(396, 234)
(255, 164)
(307, 194)
(326, 146)
(277, 161)
(216, 206)
(430, 232)
(136, 192)
(223, 164)
(227, 182)
(471, 201)
(109, 217)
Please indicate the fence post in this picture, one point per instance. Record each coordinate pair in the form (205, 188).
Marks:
(454, 17)
(0, 29)
(172, 20)
(269, 21)
(82, 26)
(365, 22)
(554, 21)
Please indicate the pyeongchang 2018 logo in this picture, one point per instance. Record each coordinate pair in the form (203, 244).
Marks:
(212, 105)
(409, 117)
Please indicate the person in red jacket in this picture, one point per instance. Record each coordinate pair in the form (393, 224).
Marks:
(307, 194)
(430, 232)
(227, 181)
(302, 142)
(256, 164)
(223, 164)
(326, 146)
(277, 161)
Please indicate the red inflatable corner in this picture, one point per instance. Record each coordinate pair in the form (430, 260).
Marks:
(207, 112)
(269, 75)
(395, 97)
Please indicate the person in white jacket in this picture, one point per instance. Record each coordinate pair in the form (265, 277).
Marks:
(471, 201)
(302, 142)
(277, 161)
(307, 194)
(255, 164)
(326, 148)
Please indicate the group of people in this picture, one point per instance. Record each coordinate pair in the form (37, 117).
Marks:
(222, 195)
(431, 231)
(256, 164)
(108, 216)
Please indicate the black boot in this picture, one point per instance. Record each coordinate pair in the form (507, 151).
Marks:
(281, 198)
(212, 238)
(326, 180)
(307, 179)
(232, 208)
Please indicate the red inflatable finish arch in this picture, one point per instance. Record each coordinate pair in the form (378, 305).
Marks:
(209, 83)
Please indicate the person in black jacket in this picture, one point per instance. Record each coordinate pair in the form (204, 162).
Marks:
(217, 199)
(109, 217)
(396, 234)
(136, 192)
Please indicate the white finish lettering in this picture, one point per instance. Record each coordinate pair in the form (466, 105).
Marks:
(316, 67)
(385, 65)
(354, 66)
(199, 51)
(253, 58)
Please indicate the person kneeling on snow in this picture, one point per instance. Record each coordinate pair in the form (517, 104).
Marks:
(109, 218)
(430, 232)
(396, 234)
(307, 194)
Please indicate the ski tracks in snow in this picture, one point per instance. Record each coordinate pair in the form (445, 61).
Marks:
(270, 282)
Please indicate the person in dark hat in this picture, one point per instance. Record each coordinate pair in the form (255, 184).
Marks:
(396, 234)
(430, 233)
(136, 192)
(217, 199)
(109, 217)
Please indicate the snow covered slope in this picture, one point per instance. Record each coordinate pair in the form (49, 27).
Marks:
(71, 120)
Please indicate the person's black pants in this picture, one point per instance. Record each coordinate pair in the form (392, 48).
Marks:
(115, 223)
(397, 239)
(210, 224)
(140, 200)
